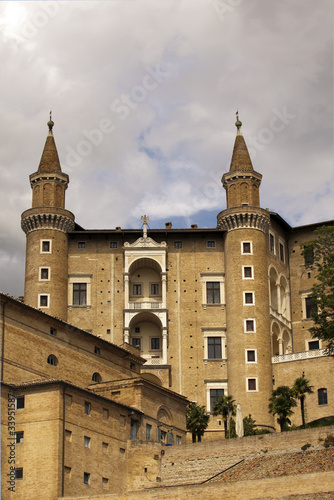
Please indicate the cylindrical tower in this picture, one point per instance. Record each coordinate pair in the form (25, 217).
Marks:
(247, 296)
(46, 225)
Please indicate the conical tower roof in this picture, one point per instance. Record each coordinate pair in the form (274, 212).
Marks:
(50, 159)
(240, 157)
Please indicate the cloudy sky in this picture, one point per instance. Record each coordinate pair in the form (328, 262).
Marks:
(143, 95)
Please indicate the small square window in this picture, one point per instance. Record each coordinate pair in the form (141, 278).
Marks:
(249, 298)
(136, 289)
(105, 447)
(18, 473)
(81, 244)
(177, 244)
(105, 482)
(20, 402)
(68, 435)
(251, 356)
(246, 247)
(313, 345)
(46, 246)
(211, 244)
(43, 301)
(113, 244)
(251, 384)
(86, 442)
(86, 478)
(248, 271)
(67, 470)
(19, 437)
(137, 329)
(44, 273)
(108, 331)
(87, 408)
(155, 343)
(250, 325)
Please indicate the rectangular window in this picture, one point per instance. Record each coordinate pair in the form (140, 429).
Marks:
(105, 414)
(113, 244)
(178, 440)
(154, 288)
(44, 273)
(68, 435)
(87, 408)
(251, 384)
(105, 482)
(67, 470)
(53, 331)
(281, 252)
(215, 394)
(247, 272)
(97, 350)
(18, 473)
(19, 437)
(20, 402)
(86, 442)
(177, 244)
(212, 292)
(249, 325)
(79, 294)
(246, 247)
(136, 289)
(86, 477)
(43, 300)
(214, 348)
(136, 342)
(170, 438)
(313, 345)
(105, 447)
(250, 356)
(81, 244)
(211, 244)
(148, 432)
(322, 397)
(309, 307)
(155, 343)
(272, 243)
(45, 246)
(68, 399)
(248, 298)
(308, 255)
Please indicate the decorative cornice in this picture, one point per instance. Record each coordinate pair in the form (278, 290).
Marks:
(244, 217)
(59, 222)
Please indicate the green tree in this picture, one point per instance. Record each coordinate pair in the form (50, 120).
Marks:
(249, 426)
(319, 255)
(281, 403)
(225, 407)
(300, 388)
(197, 421)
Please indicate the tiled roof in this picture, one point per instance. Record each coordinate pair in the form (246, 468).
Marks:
(240, 158)
(50, 159)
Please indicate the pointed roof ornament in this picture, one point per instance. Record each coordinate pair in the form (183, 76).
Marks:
(238, 123)
(240, 157)
(50, 159)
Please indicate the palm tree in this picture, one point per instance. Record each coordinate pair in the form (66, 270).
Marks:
(281, 403)
(300, 388)
(225, 407)
(197, 421)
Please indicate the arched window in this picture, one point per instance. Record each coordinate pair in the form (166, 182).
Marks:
(96, 378)
(322, 396)
(52, 360)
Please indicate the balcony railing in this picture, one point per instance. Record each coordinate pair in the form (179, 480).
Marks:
(152, 361)
(145, 305)
(296, 356)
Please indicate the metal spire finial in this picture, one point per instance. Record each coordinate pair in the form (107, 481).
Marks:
(50, 122)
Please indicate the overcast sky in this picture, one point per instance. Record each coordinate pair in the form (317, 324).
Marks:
(143, 96)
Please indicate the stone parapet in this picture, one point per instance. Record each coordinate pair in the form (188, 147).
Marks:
(244, 217)
(47, 218)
